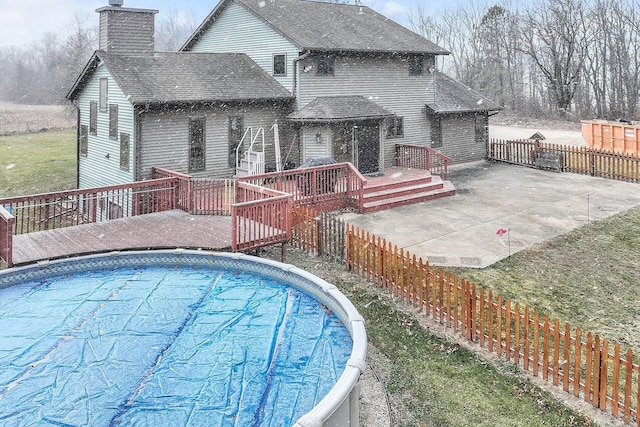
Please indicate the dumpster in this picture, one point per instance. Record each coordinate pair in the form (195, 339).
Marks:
(621, 137)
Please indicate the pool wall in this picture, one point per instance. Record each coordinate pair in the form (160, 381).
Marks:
(340, 407)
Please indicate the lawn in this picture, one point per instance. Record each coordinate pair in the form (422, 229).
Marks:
(588, 277)
(37, 163)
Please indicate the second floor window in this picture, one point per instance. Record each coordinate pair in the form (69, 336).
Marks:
(395, 127)
(280, 65)
(104, 89)
(416, 65)
(324, 64)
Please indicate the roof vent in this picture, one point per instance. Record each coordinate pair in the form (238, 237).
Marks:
(116, 3)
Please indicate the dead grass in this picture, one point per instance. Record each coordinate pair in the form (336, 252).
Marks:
(16, 118)
(588, 277)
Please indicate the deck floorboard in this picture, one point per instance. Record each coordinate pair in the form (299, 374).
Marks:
(170, 229)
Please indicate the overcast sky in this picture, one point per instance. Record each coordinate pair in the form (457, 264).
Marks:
(25, 21)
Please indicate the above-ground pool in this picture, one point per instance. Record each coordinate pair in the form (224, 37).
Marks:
(176, 338)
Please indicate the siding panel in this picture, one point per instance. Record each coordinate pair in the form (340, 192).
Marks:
(238, 30)
(98, 169)
(382, 79)
(165, 137)
(459, 139)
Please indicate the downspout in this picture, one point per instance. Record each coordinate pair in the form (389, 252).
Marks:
(294, 87)
(137, 128)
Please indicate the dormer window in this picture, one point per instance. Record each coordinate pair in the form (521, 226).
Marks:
(280, 65)
(416, 65)
(324, 65)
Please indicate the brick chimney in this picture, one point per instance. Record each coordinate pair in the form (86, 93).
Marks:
(126, 31)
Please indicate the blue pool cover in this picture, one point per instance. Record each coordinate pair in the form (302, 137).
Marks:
(162, 346)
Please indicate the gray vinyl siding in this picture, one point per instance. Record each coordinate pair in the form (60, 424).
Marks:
(126, 32)
(382, 79)
(96, 170)
(311, 148)
(164, 137)
(238, 30)
(459, 139)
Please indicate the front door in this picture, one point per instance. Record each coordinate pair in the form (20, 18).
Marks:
(368, 140)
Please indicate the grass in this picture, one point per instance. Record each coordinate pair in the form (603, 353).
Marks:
(37, 163)
(433, 382)
(588, 277)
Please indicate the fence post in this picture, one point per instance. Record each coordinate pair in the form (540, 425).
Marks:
(7, 222)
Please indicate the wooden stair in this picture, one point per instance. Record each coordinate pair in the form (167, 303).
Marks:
(399, 187)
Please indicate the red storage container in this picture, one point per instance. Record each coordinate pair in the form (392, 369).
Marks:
(619, 137)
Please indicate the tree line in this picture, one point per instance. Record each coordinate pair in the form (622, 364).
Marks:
(575, 58)
(44, 71)
(572, 58)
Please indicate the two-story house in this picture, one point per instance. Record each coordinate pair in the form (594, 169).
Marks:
(339, 80)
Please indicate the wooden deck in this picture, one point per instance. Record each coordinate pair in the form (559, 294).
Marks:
(170, 229)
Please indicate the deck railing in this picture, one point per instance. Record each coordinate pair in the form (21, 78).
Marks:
(260, 217)
(201, 196)
(6, 236)
(424, 158)
(67, 208)
(326, 187)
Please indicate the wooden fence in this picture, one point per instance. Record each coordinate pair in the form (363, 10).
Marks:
(581, 363)
(319, 233)
(575, 159)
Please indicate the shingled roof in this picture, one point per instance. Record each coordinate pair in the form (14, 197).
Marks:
(339, 108)
(184, 77)
(454, 97)
(329, 27)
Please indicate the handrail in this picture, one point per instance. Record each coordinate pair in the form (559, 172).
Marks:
(250, 130)
(423, 157)
(336, 185)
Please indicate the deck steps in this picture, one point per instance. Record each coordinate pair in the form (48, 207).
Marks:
(399, 189)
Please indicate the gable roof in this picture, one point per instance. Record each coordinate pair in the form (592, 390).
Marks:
(339, 108)
(329, 27)
(179, 77)
(454, 97)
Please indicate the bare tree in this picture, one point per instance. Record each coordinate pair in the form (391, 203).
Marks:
(174, 30)
(554, 36)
